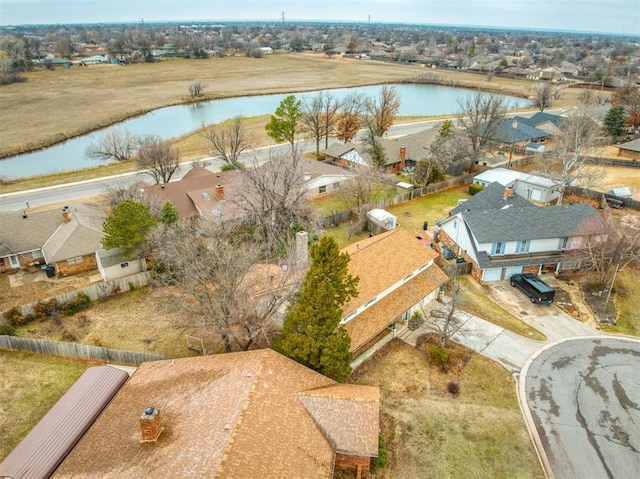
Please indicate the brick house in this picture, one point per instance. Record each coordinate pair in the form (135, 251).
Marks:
(66, 239)
(397, 274)
(500, 234)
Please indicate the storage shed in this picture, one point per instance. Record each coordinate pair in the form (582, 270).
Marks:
(49, 442)
(379, 221)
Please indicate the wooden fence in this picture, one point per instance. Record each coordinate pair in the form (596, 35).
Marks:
(98, 291)
(76, 350)
(355, 214)
(603, 197)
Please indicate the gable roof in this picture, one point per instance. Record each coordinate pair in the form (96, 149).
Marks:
(514, 223)
(510, 130)
(80, 236)
(541, 117)
(19, 235)
(382, 261)
(633, 145)
(491, 197)
(235, 415)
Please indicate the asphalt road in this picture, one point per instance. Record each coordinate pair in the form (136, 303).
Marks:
(583, 397)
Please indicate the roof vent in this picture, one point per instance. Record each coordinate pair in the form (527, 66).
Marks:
(150, 425)
(24, 214)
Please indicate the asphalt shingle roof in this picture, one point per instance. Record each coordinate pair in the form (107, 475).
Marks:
(510, 130)
(491, 197)
(514, 223)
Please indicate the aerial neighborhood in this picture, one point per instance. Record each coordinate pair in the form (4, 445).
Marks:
(418, 260)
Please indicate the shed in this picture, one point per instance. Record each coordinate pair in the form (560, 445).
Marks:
(622, 192)
(379, 221)
(49, 442)
(112, 265)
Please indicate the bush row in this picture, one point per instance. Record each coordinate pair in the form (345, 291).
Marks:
(51, 309)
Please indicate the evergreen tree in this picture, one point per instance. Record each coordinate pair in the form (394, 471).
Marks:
(615, 120)
(168, 214)
(312, 334)
(127, 228)
(284, 124)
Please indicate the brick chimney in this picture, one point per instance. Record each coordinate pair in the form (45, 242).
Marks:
(150, 425)
(508, 192)
(219, 192)
(403, 155)
(65, 216)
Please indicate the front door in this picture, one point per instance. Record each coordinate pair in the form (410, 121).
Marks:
(13, 259)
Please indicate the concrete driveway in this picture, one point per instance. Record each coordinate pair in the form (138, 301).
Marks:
(582, 400)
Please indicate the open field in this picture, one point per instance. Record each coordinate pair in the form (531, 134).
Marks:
(430, 433)
(55, 105)
(29, 386)
(627, 301)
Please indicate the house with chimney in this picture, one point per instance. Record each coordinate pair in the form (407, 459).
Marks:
(253, 414)
(500, 234)
(66, 239)
(397, 275)
(530, 187)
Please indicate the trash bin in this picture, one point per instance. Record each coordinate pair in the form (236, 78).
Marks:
(50, 270)
(425, 225)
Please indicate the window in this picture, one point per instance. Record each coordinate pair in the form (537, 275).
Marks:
(323, 189)
(563, 243)
(523, 246)
(36, 254)
(76, 260)
(370, 302)
(124, 265)
(498, 248)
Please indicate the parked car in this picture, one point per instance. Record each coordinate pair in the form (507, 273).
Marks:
(538, 291)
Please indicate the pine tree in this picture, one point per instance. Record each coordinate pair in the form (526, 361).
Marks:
(127, 228)
(312, 334)
(168, 214)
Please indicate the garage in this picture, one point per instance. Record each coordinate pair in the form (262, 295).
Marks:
(511, 270)
(536, 194)
(492, 274)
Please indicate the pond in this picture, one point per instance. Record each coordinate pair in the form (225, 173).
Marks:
(174, 121)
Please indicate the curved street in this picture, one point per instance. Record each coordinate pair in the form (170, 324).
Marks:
(582, 397)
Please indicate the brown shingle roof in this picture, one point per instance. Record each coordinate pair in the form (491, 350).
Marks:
(382, 261)
(368, 324)
(80, 236)
(18, 234)
(234, 415)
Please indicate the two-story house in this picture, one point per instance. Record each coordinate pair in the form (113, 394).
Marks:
(501, 234)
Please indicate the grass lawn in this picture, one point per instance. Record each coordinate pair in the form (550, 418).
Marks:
(627, 303)
(475, 302)
(29, 386)
(430, 433)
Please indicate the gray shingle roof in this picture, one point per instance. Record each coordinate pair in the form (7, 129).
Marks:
(541, 117)
(631, 145)
(491, 198)
(513, 223)
(19, 235)
(511, 130)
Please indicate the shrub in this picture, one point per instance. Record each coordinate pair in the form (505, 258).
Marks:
(45, 309)
(453, 388)
(80, 303)
(7, 330)
(382, 460)
(415, 321)
(439, 356)
(475, 188)
(13, 316)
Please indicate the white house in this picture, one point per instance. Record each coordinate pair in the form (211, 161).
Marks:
(530, 187)
(502, 234)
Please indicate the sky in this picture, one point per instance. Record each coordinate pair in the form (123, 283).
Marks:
(607, 16)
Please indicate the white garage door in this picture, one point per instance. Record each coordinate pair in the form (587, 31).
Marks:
(512, 270)
(492, 274)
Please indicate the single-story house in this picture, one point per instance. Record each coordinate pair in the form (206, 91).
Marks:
(630, 149)
(543, 121)
(397, 274)
(66, 239)
(530, 187)
(237, 415)
(501, 233)
(516, 133)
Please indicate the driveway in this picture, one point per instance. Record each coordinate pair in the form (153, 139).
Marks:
(582, 397)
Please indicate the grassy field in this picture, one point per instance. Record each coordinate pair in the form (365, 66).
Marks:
(29, 386)
(431, 433)
(628, 304)
(55, 105)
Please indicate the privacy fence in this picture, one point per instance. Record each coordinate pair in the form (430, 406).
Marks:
(75, 350)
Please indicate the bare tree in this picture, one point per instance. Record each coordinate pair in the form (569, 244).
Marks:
(196, 88)
(115, 145)
(158, 157)
(364, 187)
(373, 144)
(579, 136)
(543, 97)
(275, 199)
(479, 120)
(228, 140)
(318, 117)
(591, 177)
(229, 290)
(330, 109)
(382, 110)
(443, 318)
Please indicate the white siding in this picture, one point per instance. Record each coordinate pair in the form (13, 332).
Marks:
(492, 274)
